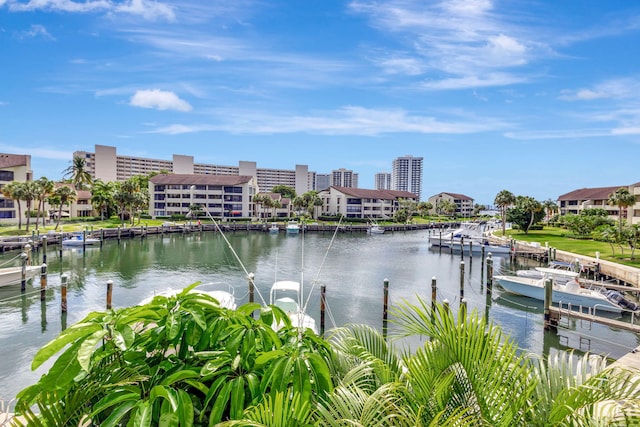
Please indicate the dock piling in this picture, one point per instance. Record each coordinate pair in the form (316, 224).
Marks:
(109, 293)
(323, 299)
(461, 281)
(385, 305)
(63, 292)
(43, 282)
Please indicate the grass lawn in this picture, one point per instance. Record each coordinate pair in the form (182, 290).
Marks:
(557, 238)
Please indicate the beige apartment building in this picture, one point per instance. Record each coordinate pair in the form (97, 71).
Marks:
(105, 164)
(576, 201)
(13, 167)
(362, 203)
(464, 204)
(221, 196)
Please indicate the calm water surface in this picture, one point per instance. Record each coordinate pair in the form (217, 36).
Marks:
(353, 268)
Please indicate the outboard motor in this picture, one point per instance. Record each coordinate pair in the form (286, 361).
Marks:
(618, 298)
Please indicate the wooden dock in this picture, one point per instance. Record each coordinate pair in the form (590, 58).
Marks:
(557, 313)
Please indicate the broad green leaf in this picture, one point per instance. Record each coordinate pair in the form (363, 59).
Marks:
(114, 397)
(64, 369)
(321, 372)
(220, 404)
(119, 412)
(268, 356)
(124, 337)
(165, 393)
(179, 376)
(185, 409)
(173, 326)
(237, 398)
(168, 417)
(69, 335)
(142, 416)
(86, 350)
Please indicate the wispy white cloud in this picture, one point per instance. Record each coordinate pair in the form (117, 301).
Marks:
(159, 100)
(41, 152)
(350, 120)
(35, 31)
(147, 9)
(616, 88)
(455, 44)
(560, 134)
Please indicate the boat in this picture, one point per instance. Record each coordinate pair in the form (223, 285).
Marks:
(225, 298)
(469, 237)
(555, 268)
(80, 240)
(565, 293)
(287, 295)
(13, 275)
(292, 227)
(374, 228)
(274, 229)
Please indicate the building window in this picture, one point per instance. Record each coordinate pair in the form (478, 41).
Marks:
(6, 175)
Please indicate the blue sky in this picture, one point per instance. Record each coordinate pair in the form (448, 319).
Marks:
(536, 97)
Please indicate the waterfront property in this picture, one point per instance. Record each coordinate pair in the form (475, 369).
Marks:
(218, 195)
(361, 203)
(576, 201)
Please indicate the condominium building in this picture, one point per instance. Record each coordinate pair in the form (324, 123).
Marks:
(464, 204)
(383, 181)
(221, 196)
(105, 164)
(13, 167)
(323, 181)
(406, 175)
(344, 178)
(361, 203)
(574, 202)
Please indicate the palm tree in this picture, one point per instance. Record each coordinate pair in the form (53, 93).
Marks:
(275, 205)
(29, 194)
(622, 199)
(63, 195)
(550, 207)
(44, 189)
(78, 173)
(13, 191)
(102, 196)
(531, 206)
(503, 200)
(260, 200)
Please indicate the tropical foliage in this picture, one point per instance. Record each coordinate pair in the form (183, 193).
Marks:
(185, 361)
(503, 200)
(78, 173)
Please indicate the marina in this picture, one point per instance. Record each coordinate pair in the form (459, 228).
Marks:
(354, 269)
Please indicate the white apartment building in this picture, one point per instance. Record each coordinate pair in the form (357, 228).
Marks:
(406, 175)
(222, 196)
(361, 203)
(105, 164)
(344, 178)
(383, 181)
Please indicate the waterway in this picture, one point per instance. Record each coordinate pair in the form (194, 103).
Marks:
(353, 267)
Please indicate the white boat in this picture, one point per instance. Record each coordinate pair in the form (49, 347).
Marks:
(226, 299)
(80, 240)
(13, 275)
(469, 237)
(564, 294)
(557, 268)
(274, 229)
(375, 229)
(292, 227)
(287, 295)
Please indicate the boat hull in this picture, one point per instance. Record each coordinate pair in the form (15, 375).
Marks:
(13, 275)
(534, 288)
(80, 242)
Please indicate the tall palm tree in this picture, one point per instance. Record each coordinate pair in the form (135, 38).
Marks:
(78, 173)
(29, 194)
(44, 189)
(622, 199)
(550, 207)
(63, 195)
(503, 200)
(102, 196)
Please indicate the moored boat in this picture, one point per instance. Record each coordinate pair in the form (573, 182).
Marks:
(293, 227)
(287, 295)
(80, 240)
(13, 275)
(565, 293)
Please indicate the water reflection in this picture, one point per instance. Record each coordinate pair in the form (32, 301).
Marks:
(353, 270)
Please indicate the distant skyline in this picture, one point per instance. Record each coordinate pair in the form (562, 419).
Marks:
(536, 97)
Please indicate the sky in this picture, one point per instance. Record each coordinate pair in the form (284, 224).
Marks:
(536, 97)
